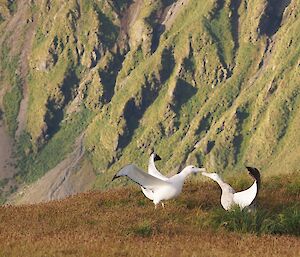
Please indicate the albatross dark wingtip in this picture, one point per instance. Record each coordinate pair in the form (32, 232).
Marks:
(115, 176)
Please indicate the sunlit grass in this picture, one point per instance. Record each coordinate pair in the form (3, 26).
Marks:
(260, 221)
(122, 221)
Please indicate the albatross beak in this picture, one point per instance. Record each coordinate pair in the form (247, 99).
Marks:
(199, 170)
(205, 173)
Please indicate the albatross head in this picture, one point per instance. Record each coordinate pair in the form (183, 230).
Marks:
(191, 169)
(214, 176)
(155, 156)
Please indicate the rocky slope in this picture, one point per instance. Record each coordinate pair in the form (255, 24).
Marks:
(214, 83)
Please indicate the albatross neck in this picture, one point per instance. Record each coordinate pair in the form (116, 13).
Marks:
(151, 161)
(221, 183)
(184, 173)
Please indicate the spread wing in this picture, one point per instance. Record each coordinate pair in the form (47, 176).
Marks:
(246, 197)
(254, 172)
(140, 177)
(152, 170)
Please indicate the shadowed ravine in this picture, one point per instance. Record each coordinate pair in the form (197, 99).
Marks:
(60, 181)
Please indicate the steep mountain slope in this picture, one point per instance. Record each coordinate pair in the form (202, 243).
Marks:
(214, 83)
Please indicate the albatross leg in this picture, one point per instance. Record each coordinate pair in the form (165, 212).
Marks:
(162, 204)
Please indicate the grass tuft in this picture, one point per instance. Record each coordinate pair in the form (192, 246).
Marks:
(258, 221)
(143, 229)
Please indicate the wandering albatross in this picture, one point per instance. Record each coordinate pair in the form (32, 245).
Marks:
(229, 197)
(161, 189)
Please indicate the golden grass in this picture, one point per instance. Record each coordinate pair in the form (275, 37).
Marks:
(122, 222)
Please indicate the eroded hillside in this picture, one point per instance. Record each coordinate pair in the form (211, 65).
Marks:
(214, 83)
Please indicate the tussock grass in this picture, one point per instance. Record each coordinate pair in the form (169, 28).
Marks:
(259, 221)
(142, 229)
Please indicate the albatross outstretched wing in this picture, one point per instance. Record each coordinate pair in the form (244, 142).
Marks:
(140, 177)
(246, 197)
(254, 172)
(153, 171)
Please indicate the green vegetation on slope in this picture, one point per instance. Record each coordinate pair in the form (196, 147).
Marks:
(35, 164)
(201, 82)
(13, 97)
(220, 28)
(11, 103)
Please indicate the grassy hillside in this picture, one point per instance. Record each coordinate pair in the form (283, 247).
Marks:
(213, 83)
(123, 222)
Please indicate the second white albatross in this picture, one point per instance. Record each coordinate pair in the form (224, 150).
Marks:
(229, 197)
(161, 189)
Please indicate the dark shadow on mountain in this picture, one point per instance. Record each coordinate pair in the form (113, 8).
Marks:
(55, 112)
(204, 124)
(135, 108)
(271, 19)
(210, 145)
(234, 7)
(70, 82)
(53, 117)
(108, 32)
(168, 64)
(182, 93)
(241, 115)
(158, 30)
(109, 75)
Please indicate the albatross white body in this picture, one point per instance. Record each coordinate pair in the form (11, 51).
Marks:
(161, 189)
(229, 197)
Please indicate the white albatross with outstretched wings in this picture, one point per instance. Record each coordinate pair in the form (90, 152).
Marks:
(161, 189)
